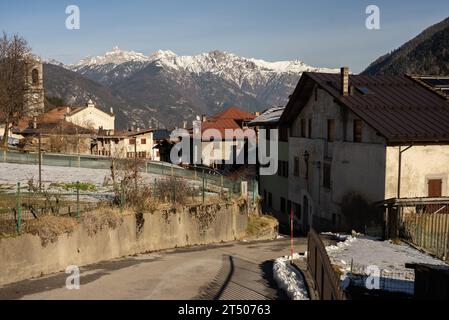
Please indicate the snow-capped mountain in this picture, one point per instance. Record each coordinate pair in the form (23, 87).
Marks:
(181, 87)
(119, 64)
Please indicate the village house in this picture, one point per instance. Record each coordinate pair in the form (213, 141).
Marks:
(126, 144)
(222, 153)
(64, 129)
(356, 140)
(274, 188)
(55, 133)
(90, 117)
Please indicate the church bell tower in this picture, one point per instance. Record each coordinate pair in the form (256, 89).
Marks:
(34, 95)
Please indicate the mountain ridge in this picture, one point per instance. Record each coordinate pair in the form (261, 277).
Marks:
(426, 54)
(181, 87)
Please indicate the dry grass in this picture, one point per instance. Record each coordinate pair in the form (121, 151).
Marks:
(49, 227)
(99, 219)
(259, 225)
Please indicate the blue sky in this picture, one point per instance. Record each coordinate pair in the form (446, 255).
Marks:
(327, 33)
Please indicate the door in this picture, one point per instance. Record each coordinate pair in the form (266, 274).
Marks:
(435, 191)
(435, 188)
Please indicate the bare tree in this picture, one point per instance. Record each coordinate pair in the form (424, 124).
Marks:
(14, 51)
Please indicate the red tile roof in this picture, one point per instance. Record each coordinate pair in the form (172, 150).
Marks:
(228, 119)
(397, 107)
(235, 114)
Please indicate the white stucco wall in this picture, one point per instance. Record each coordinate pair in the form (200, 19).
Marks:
(419, 164)
(92, 117)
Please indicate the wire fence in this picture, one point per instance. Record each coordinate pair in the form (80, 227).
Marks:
(25, 204)
(380, 281)
(33, 202)
(99, 162)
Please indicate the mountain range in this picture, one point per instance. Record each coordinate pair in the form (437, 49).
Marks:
(426, 54)
(164, 89)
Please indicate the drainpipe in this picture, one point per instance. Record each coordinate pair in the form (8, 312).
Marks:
(400, 168)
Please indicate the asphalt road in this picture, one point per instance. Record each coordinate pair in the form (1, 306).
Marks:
(234, 271)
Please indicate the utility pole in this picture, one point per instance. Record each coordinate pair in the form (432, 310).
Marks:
(135, 163)
(40, 161)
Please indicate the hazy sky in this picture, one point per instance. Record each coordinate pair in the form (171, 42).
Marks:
(322, 33)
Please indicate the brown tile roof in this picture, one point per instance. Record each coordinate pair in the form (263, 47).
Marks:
(49, 122)
(235, 114)
(397, 107)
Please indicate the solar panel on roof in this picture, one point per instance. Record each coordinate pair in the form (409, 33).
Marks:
(365, 90)
(437, 82)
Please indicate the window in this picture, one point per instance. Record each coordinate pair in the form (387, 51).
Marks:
(296, 167)
(358, 129)
(35, 77)
(303, 128)
(327, 175)
(309, 128)
(283, 169)
(283, 205)
(331, 130)
(132, 141)
(143, 141)
(270, 200)
(283, 134)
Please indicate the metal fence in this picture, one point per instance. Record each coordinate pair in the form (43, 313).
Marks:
(24, 205)
(98, 162)
(381, 282)
(326, 280)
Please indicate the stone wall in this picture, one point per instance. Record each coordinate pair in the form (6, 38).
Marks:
(26, 257)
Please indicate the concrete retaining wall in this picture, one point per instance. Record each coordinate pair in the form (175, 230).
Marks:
(25, 257)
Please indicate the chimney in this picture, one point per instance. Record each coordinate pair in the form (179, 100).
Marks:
(34, 122)
(112, 110)
(184, 125)
(204, 118)
(257, 114)
(344, 81)
(68, 110)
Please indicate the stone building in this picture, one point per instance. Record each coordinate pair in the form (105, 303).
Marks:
(356, 140)
(34, 97)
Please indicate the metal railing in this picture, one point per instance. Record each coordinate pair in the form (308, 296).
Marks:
(99, 162)
(24, 205)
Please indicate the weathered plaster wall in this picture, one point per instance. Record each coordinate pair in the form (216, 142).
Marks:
(25, 257)
(419, 165)
(355, 167)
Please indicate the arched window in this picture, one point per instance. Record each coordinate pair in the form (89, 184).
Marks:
(35, 77)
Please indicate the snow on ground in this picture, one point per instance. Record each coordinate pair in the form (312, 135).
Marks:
(11, 173)
(390, 259)
(289, 279)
